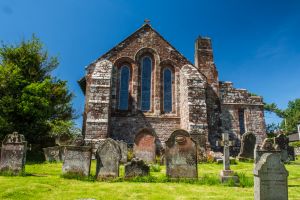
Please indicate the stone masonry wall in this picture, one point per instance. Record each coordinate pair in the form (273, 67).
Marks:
(232, 102)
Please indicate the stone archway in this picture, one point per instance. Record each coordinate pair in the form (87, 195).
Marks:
(144, 146)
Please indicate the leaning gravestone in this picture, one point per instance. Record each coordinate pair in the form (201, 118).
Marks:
(13, 154)
(136, 168)
(108, 156)
(181, 155)
(270, 178)
(247, 146)
(52, 154)
(144, 147)
(124, 151)
(77, 160)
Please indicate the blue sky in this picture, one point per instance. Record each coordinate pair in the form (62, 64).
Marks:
(256, 42)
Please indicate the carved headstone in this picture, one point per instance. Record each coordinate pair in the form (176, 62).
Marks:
(181, 155)
(247, 146)
(144, 147)
(135, 168)
(77, 160)
(108, 157)
(52, 154)
(266, 147)
(270, 178)
(13, 154)
(124, 151)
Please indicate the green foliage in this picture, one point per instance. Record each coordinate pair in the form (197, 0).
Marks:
(295, 144)
(155, 168)
(32, 102)
(245, 181)
(291, 115)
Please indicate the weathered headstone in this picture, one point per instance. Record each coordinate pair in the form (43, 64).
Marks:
(108, 157)
(124, 151)
(52, 154)
(181, 155)
(13, 154)
(135, 168)
(247, 146)
(227, 174)
(270, 178)
(282, 144)
(64, 140)
(266, 147)
(77, 160)
(144, 147)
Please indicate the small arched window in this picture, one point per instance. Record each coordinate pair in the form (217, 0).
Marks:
(124, 87)
(146, 73)
(167, 90)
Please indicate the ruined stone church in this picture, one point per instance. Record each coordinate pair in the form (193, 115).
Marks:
(143, 89)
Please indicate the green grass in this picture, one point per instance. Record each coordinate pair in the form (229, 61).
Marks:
(44, 181)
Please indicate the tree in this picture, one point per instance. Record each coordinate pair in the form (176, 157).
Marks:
(32, 102)
(290, 116)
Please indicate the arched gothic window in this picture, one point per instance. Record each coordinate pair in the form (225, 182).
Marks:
(167, 90)
(124, 87)
(146, 73)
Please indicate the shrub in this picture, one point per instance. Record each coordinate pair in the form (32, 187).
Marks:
(295, 144)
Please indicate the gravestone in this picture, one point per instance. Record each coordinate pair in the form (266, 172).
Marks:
(108, 157)
(144, 147)
(136, 168)
(227, 174)
(52, 154)
(124, 151)
(270, 178)
(266, 147)
(77, 160)
(13, 154)
(247, 146)
(282, 144)
(181, 155)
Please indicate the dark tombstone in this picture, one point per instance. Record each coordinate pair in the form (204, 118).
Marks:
(77, 160)
(282, 144)
(181, 155)
(108, 156)
(247, 146)
(270, 178)
(124, 151)
(135, 168)
(291, 153)
(13, 154)
(52, 154)
(144, 147)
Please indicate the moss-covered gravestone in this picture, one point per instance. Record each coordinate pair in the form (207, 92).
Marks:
(108, 157)
(13, 154)
(181, 155)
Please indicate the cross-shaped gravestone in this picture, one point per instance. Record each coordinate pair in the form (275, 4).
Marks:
(226, 173)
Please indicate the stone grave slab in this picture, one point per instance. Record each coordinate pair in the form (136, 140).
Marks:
(124, 151)
(144, 147)
(181, 156)
(136, 168)
(108, 157)
(52, 154)
(13, 154)
(270, 178)
(247, 146)
(77, 160)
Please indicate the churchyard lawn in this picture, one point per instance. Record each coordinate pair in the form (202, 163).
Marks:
(44, 181)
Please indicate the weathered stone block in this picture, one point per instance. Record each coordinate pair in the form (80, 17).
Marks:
(135, 168)
(247, 146)
(181, 155)
(13, 154)
(124, 151)
(108, 157)
(144, 147)
(77, 160)
(270, 178)
(52, 154)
